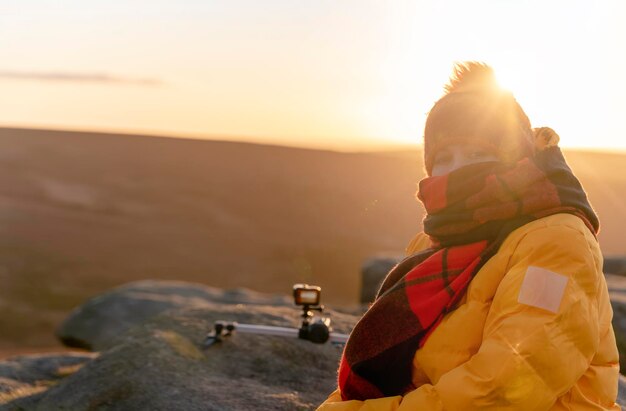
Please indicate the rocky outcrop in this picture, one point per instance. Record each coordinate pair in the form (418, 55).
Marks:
(621, 391)
(615, 265)
(372, 273)
(29, 375)
(156, 360)
(617, 292)
(159, 364)
(96, 324)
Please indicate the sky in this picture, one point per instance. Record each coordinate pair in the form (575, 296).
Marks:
(344, 75)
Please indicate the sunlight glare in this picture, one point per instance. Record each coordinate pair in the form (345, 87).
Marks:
(508, 79)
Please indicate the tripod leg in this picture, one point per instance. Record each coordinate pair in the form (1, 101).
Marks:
(221, 329)
(210, 340)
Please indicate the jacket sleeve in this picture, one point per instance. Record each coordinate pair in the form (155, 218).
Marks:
(532, 351)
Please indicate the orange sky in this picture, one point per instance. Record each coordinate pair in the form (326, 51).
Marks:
(347, 75)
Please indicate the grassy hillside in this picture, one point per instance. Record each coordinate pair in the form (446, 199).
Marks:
(81, 212)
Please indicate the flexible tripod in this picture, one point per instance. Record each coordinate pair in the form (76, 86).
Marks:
(317, 331)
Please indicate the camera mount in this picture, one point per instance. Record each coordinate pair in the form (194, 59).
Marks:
(315, 330)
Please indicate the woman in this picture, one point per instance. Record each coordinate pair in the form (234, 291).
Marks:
(501, 304)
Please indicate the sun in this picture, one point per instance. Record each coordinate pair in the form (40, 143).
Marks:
(545, 103)
(509, 79)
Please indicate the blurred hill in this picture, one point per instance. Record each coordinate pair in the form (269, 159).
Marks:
(82, 212)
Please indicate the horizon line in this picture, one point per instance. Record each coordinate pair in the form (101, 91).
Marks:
(242, 139)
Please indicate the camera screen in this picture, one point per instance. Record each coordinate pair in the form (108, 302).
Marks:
(308, 296)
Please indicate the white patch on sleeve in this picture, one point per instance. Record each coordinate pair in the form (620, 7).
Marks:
(542, 288)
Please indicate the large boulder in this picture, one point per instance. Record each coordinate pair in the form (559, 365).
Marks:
(373, 272)
(29, 375)
(621, 391)
(615, 264)
(43, 367)
(617, 292)
(160, 365)
(152, 333)
(95, 324)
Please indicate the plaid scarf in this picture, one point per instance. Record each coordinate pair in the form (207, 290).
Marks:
(470, 212)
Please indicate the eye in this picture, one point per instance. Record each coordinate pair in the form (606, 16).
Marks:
(479, 154)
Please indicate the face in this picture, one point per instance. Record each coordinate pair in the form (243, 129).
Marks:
(455, 156)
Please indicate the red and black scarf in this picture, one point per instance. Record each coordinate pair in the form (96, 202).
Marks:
(469, 214)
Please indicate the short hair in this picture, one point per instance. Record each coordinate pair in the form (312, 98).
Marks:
(475, 109)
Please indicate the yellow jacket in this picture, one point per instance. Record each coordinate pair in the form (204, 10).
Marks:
(533, 332)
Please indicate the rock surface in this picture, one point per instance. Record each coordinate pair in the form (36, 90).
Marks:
(373, 272)
(615, 265)
(617, 292)
(28, 375)
(621, 391)
(159, 365)
(155, 361)
(95, 324)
